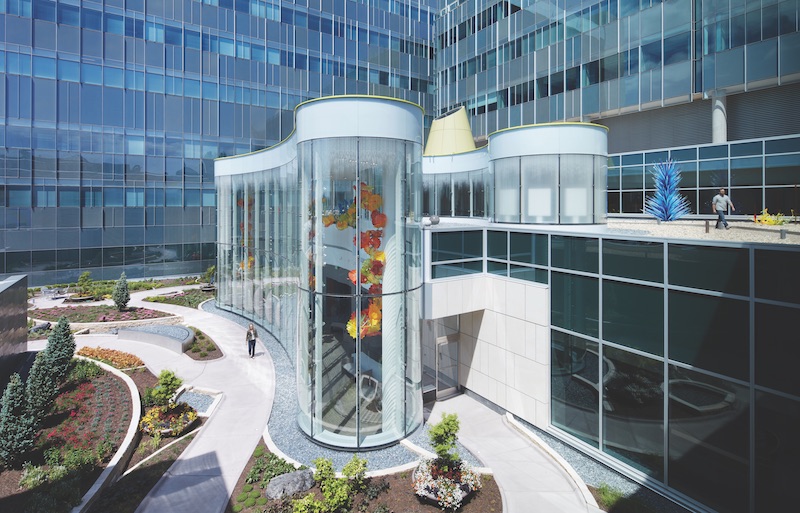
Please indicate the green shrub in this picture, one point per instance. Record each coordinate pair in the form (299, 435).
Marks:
(79, 459)
(259, 451)
(203, 354)
(42, 503)
(261, 501)
(241, 497)
(32, 476)
(250, 502)
(355, 470)
(60, 349)
(609, 496)
(247, 488)
(85, 283)
(308, 504)
(41, 388)
(161, 395)
(443, 436)
(237, 508)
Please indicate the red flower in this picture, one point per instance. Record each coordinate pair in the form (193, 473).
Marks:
(377, 267)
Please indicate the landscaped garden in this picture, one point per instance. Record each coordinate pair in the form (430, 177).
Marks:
(95, 313)
(189, 298)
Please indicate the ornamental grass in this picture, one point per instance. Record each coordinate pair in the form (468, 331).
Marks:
(117, 359)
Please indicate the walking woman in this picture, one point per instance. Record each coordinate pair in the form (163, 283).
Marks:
(252, 335)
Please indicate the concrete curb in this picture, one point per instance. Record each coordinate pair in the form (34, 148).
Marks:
(125, 451)
(579, 484)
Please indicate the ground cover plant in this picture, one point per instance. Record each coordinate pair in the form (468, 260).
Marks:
(95, 313)
(117, 359)
(386, 494)
(612, 500)
(189, 298)
(203, 347)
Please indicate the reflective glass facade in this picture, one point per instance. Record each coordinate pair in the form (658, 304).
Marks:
(535, 61)
(113, 112)
(320, 243)
(673, 359)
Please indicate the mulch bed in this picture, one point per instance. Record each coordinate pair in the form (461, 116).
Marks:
(399, 497)
(95, 313)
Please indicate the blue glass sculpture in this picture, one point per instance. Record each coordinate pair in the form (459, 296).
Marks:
(667, 204)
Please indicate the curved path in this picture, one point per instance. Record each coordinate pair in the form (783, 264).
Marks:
(204, 476)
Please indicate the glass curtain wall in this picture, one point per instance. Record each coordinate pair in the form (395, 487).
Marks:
(258, 269)
(358, 360)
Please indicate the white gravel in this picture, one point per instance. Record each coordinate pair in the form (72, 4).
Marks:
(741, 231)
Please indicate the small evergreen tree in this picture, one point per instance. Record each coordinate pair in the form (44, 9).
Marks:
(41, 388)
(60, 349)
(667, 204)
(121, 296)
(16, 425)
(85, 283)
(443, 437)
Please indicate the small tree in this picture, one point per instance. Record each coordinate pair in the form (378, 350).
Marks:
(667, 204)
(41, 388)
(85, 283)
(161, 394)
(208, 277)
(16, 425)
(443, 437)
(121, 296)
(60, 349)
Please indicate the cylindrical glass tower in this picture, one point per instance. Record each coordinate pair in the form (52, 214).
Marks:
(358, 361)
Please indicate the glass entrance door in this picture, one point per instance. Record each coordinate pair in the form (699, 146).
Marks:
(446, 366)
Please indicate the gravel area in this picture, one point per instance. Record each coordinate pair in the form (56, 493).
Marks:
(177, 332)
(694, 229)
(198, 401)
(286, 434)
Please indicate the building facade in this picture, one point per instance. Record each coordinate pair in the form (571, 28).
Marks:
(113, 112)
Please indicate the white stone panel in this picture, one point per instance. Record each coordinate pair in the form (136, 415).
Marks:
(488, 328)
(497, 367)
(531, 378)
(537, 307)
(517, 335)
(515, 299)
(501, 335)
(542, 345)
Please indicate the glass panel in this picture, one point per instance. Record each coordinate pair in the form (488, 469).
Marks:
(443, 195)
(776, 449)
(461, 194)
(746, 171)
(528, 273)
(576, 183)
(772, 281)
(579, 254)
(498, 268)
(497, 245)
(710, 268)
(456, 269)
(709, 439)
(713, 173)
(507, 190)
(633, 315)
(575, 303)
(529, 248)
(633, 404)
(575, 385)
(776, 360)
(634, 259)
(782, 170)
(539, 189)
(710, 333)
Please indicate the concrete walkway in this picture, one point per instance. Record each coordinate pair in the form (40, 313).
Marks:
(203, 478)
(528, 477)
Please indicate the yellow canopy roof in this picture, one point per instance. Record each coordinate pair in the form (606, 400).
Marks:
(450, 133)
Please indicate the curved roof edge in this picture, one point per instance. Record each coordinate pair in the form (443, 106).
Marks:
(313, 100)
(554, 123)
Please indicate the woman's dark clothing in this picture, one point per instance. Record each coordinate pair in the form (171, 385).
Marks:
(251, 342)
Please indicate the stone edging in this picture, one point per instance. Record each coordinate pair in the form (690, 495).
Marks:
(587, 495)
(125, 451)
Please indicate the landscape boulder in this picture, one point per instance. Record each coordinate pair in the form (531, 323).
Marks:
(289, 484)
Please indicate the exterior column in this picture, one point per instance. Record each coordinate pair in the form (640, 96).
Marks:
(719, 119)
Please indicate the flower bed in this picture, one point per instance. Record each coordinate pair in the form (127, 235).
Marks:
(116, 359)
(95, 313)
(170, 420)
(448, 486)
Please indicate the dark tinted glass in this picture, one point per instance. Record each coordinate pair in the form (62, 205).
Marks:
(456, 269)
(574, 303)
(777, 348)
(776, 447)
(634, 394)
(574, 384)
(499, 268)
(497, 245)
(709, 268)
(634, 259)
(68, 258)
(456, 245)
(782, 145)
(714, 152)
(529, 248)
(745, 149)
(633, 315)
(687, 154)
(528, 273)
(772, 279)
(714, 471)
(710, 332)
(575, 253)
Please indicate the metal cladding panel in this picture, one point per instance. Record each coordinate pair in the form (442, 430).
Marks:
(358, 116)
(269, 158)
(766, 113)
(550, 139)
(668, 127)
(477, 160)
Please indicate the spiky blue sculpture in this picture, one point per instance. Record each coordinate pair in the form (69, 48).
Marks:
(667, 204)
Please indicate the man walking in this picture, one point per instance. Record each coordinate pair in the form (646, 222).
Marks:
(720, 204)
